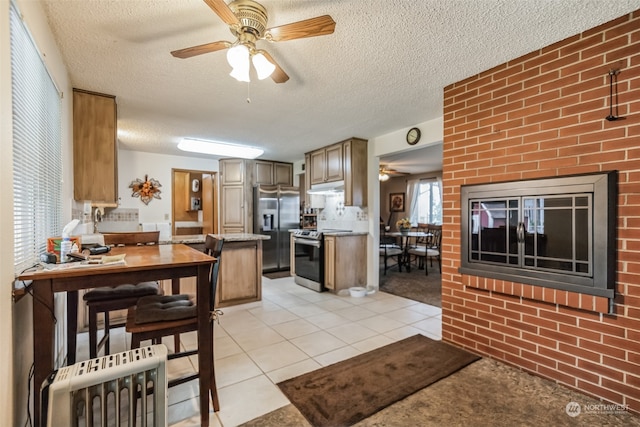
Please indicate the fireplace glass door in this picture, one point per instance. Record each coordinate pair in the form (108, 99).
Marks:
(557, 232)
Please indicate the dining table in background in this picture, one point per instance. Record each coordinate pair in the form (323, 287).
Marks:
(142, 263)
(404, 244)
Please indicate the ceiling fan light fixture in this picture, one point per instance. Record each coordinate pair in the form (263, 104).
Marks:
(383, 177)
(240, 74)
(238, 58)
(217, 148)
(263, 67)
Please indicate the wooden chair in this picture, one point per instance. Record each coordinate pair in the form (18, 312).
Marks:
(428, 247)
(105, 300)
(155, 317)
(389, 249)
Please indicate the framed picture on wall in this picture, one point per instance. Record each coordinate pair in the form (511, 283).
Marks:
(396, 202)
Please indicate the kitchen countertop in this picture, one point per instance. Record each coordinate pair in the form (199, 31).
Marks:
(241, 237)
(199, 238)
(344, 233)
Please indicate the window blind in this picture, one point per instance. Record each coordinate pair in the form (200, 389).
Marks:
(37, 152)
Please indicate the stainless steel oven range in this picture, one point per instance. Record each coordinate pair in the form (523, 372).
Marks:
(309, 259)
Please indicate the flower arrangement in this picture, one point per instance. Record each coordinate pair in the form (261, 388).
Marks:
(147, 190)
(403, 223)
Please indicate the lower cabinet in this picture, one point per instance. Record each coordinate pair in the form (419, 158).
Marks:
(345, 262)
(240, 274)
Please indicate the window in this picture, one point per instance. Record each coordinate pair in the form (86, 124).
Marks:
(37, 157)
(557, 233)
(426, 206)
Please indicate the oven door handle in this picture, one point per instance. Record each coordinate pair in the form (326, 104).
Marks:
(308, 242)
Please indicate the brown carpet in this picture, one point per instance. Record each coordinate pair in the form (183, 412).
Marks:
(414, 285)
(349, 391)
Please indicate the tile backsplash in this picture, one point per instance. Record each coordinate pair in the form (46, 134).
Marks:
(335, 215)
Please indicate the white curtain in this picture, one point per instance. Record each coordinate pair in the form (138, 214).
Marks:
(413, 192)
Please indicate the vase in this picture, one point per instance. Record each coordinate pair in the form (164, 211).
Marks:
(404, 230)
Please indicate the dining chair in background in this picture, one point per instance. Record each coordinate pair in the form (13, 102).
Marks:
(427, 247)
(107, 299)
(390, 250)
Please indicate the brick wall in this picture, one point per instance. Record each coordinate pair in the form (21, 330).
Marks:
(543, 115)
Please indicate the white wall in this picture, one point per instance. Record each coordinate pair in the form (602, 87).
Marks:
(16, 336)
(431, 134)
(135, 164)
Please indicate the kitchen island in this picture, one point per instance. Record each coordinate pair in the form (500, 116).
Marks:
(240, 275)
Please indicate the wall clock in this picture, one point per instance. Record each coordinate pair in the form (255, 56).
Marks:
(413, 136)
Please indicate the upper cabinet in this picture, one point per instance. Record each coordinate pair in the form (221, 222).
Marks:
(237, 178)
(327, 164)
(95, 161)
(345, 161)
(272, 173)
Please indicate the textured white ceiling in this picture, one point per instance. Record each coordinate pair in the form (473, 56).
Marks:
(383, 68)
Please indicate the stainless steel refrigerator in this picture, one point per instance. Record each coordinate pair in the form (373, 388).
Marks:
(276, 211)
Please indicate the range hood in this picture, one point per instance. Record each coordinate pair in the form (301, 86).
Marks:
(327, 188)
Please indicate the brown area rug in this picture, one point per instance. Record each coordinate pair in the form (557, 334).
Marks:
(414, 285)
(349, 391)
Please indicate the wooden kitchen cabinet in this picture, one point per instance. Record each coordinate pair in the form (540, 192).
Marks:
(232, 171)
(283, 174)
(327, 164)
(95, 151)
(272, 173)
(345, 261)
(237, 179)
(240, 275)
(233, 217)
(345, 161)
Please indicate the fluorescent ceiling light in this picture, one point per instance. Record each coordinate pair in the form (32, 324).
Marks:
(219, 148)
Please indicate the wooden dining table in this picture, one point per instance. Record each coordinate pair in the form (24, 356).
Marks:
(404, 244)
(142, 263)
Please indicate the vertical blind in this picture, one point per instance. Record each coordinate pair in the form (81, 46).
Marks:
(37, 152)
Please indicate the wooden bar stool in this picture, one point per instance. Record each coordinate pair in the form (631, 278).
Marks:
(107, 299)
(155, 317)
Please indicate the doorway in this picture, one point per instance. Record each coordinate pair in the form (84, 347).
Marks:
(194, 202)
(416, 163)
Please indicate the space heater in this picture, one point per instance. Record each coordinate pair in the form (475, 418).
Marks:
(121, 389)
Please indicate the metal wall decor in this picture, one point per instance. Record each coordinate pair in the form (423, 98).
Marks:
(147, 190)
(613, 81)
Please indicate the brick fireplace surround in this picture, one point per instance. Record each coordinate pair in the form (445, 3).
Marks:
(543, 115)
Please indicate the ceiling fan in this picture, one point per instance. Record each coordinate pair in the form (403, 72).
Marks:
(385, 173)
(247, 20)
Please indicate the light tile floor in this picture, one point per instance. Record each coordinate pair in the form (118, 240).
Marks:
(293, 330)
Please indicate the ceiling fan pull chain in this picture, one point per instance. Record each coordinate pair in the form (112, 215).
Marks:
(248, 92)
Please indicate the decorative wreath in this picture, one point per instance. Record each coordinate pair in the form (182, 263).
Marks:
(147, 190)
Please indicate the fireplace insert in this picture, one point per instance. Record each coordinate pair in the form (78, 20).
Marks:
(553, 232)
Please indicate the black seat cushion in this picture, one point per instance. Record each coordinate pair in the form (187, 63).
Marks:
(165, 307)
(122, 291)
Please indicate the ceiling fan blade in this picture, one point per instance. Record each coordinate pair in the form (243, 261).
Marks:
(200, 49)
(318, 26)
(223, 11)
(278, 75)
